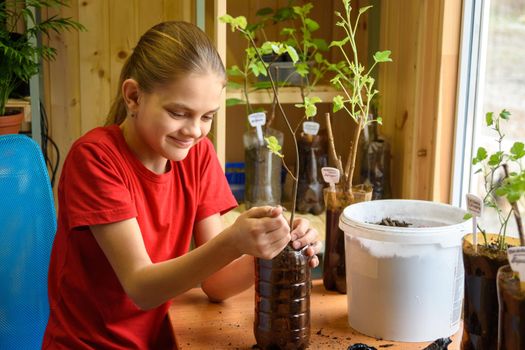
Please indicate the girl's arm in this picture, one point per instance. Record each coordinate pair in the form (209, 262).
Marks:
(239, 274)
(261, 232)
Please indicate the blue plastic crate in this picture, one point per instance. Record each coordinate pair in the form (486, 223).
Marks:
(236, 177)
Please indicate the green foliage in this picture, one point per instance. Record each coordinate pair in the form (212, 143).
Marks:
(19, 55)
(252, 66)
(491, 165)
(354, 80)
(273, 145)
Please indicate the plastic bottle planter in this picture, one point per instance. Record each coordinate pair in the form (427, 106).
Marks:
(282, 301)
(312, 157)
(511, 300)
(375, 167)
(480, 307)
(263, 170)
(334, 270)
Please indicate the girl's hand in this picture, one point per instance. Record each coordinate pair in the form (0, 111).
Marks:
(303, 235)
(261, 231)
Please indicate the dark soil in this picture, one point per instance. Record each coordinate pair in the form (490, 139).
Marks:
(393, 222)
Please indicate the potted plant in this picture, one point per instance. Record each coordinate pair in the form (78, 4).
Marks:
(483, 259)
(262, 168)
(311, 66)
(357, 85)
(282, 286)
(19, 54)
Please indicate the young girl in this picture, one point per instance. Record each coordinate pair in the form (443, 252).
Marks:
(133, 194)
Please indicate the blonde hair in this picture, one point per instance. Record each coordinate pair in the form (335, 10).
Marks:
(166, 52)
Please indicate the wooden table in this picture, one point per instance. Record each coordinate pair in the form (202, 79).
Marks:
(199, 324)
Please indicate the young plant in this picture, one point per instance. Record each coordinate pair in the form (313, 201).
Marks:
(513, 185)
(240, 24)
(311, 64)
(357, 86)
(253, 66)
(19, 54)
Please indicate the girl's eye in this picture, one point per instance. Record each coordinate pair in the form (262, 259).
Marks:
(176, 114)
(207, 117)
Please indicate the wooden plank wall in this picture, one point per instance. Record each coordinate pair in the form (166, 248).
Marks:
(418, 93)
(80, 84)
(417, 89)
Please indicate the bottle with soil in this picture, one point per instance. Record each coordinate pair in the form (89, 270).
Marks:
(312, 157)
(375, 162)
(263, 170)
(511, 300)
(334, 266)
(282, 301)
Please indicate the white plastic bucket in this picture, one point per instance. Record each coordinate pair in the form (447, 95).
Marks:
(404, 283)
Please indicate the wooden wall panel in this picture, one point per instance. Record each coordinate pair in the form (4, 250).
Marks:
(81, 83)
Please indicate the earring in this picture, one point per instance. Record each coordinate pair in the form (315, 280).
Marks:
(132, 115)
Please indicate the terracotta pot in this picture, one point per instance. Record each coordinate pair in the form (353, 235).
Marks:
(334, 269)
(511, 300)
(10, 124)
(480, 307)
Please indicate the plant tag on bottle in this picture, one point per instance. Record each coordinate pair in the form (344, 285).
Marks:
(474, 207)
(331, 176)
(257, 120)
(311, 128)
(516, 257)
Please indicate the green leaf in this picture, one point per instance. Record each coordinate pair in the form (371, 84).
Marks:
(302, 69)
(480, 155)
(274, 146)
(382, 56)
(467, 216)
(311, 24)
(287, 31)
(379, 120)
(233, 101)
(293, 54)
(517, 150)
(338, 103)
(233, 85)
(504, 114)
(235, 71)
(364, 9)
(489, 118)
(495, 159)
(339, 43)
(321, 44)
(265, 11)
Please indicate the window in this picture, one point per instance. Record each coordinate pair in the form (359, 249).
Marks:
(492, 78)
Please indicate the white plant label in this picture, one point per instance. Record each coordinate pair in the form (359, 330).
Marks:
(474, 207)
(257, 120)
(311, 128)
(516, 257)
(331, 176)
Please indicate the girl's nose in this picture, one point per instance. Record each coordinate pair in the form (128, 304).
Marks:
(192, 127)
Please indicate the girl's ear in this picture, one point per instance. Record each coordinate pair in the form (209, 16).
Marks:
(131, 94)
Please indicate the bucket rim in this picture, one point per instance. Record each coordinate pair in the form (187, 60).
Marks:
(447, 235)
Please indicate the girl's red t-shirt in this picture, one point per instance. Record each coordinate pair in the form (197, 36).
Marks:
(103, 182)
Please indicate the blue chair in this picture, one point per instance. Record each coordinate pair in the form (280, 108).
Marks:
(27, 230)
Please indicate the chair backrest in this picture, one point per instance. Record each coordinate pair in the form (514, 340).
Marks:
(27, 230)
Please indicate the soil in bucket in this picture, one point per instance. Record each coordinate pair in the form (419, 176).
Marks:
(511, 299)
(480, 308)
(282, 301)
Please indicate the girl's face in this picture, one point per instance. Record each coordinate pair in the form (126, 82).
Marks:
(172, 119)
